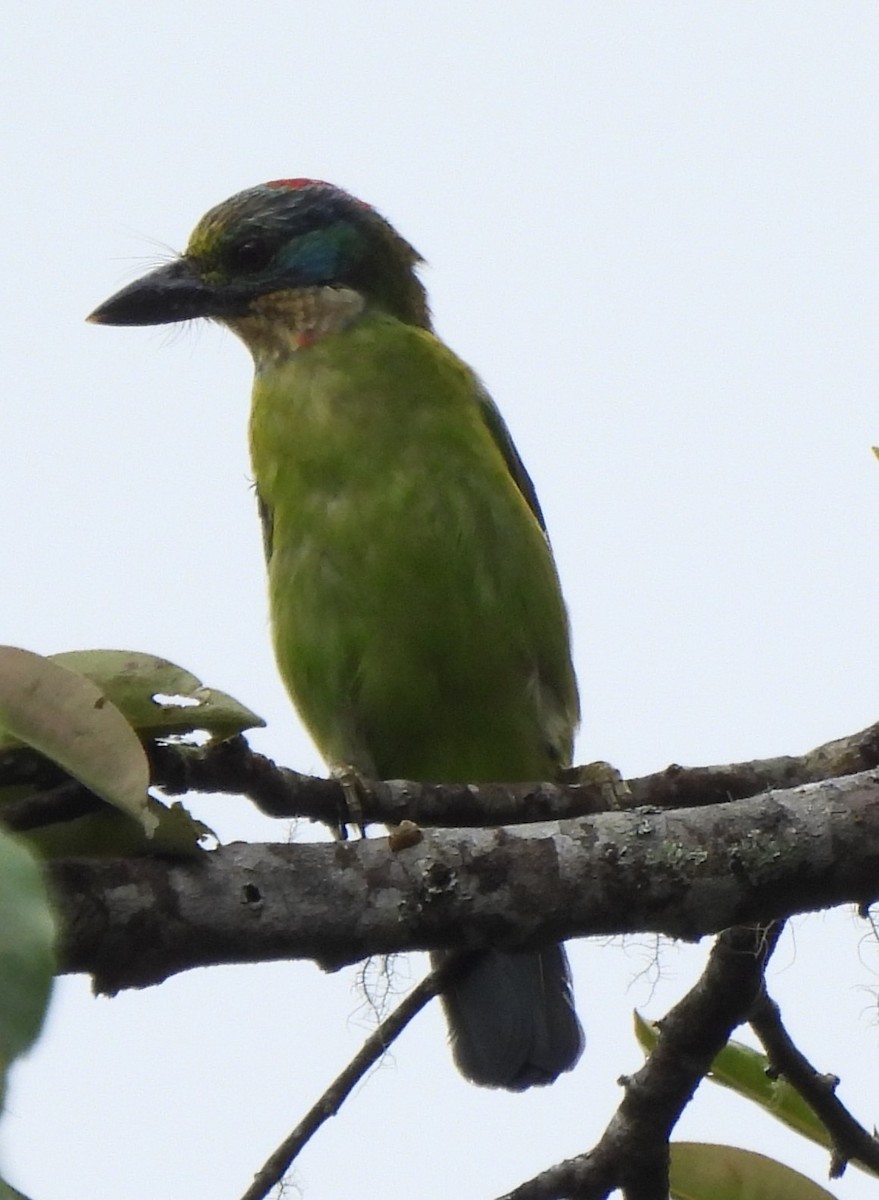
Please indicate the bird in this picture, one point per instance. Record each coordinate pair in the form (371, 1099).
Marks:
(416, 611)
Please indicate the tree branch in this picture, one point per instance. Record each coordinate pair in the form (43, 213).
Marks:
(684, 873)
(377, 1044)
(279, 792)
(632, 1153)
(233, 767)
(850, 1139)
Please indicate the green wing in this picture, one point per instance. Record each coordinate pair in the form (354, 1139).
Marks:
(497, 427)
(267, 522)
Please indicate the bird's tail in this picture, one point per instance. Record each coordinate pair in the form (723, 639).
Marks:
(511, 1019)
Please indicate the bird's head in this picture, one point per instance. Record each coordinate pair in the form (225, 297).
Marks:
(285, 260)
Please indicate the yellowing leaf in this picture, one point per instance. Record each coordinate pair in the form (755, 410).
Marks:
(66, 717)
(703, 1171)
(158, 698)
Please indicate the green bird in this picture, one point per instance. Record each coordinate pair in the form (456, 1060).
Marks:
(416, 612)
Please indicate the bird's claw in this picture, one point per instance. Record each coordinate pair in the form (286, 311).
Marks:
(353, 786)
(615, 792)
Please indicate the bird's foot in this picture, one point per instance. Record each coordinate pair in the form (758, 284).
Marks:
(606, 778)
(354, 787)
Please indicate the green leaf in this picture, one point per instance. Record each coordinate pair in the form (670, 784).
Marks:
(745, 1071)
(27, 961)
(67, 717)
(702, 1171)
(159, 698)
(109, 833)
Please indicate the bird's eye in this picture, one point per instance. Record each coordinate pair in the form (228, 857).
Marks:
(249, 256)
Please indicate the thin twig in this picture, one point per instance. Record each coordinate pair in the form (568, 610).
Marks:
(279, 1162)
(231, 766)
(63, 801)
(850, 1139)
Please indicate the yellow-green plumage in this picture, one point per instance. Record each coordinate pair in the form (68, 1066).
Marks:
(416, 612)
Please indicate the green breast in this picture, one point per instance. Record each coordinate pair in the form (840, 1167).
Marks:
(416, 611)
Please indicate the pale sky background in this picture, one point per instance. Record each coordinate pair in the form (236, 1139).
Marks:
(651, 227)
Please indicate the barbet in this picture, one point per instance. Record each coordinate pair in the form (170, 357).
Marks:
(416, 612)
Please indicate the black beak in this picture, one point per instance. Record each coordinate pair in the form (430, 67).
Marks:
(174, 292)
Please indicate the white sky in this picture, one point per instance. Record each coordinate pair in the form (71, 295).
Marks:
(651, 227)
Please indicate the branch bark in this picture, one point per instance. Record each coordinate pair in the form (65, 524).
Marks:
(684, 873)
(279, 792)
(233, 767)
(681, 871)
(690, 864)
(850, 1140)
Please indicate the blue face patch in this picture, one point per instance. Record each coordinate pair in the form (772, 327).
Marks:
(320, 256)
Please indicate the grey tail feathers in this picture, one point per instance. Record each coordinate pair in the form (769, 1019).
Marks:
(511, 1019)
